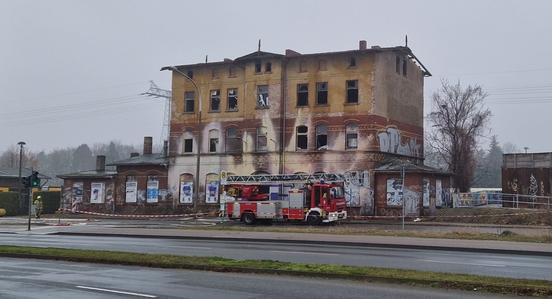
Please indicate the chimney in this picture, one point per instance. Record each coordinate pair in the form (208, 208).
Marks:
(100, 163)
(148, 144)
(165, 148)
(362, 45)
(132, 155)
(291, 53)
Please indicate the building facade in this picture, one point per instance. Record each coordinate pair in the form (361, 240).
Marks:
(527, 179)
(343, 112)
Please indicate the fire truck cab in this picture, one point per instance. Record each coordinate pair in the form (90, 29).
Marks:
(309, 198)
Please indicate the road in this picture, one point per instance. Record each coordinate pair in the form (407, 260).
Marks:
(21, 278)
(504, 265)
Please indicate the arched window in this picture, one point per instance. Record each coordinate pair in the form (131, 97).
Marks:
(302, 137)
(233, 140)
(213, 140)
(262, 141)
(321, 137)
(351, 133)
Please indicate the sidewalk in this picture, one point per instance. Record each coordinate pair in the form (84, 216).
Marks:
(485, 246)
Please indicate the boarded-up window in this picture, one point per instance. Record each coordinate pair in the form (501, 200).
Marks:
(262, 96)
(186, 188)
(232, 99)
(321, 137)
(215, 101)
(322, 93)
(302, 94)
(262, 143)
(189, 101)
(351, 141)
(302, 137)
(233, 141)
(352, 91)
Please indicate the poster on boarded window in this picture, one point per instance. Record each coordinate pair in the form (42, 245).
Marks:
(131, 191)
(78, 193)
(426, 193)
(438, 193)
(212, 188)
(97, 192)
(152, 191)
(186, 192)
(394, 192)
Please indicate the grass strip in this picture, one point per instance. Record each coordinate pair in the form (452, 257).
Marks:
(539, 288)
(505, 234)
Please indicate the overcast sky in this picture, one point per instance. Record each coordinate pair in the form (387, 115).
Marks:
(71, 71)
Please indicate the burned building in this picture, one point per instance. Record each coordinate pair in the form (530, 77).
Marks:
(334, 112)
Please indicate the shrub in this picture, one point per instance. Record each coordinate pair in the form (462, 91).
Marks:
(9, 201)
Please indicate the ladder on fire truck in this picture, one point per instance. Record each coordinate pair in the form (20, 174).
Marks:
(271, 179)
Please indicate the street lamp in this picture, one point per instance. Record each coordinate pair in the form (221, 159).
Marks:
(175, 69)
(21, 144)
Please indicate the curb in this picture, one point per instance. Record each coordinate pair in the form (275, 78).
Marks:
(312, 242)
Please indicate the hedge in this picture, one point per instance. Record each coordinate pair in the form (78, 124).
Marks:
(50, 201)
(10, 202)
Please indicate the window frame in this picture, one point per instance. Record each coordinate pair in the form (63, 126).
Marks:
(185, 145)
(302, 95)
(352, 62)
(259, 93)
(213, 97)
(350, 130)
(234, 140)
(318, 129)
(228, 96)
(268, 67)
(349, 89)
(188, 99)
(302, 135)
(260, 133)
(258, 67)
(319, 91)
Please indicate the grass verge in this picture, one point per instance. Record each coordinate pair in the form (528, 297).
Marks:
(540, 288)
(348, 229)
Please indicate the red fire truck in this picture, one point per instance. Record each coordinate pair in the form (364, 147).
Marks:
(315, 198)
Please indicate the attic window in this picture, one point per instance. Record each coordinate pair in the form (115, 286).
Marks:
(268, 67)
(190, 74)
(302, 66)
(352, 62)
(257, 67)
(404, 67)
(231, 72)
(397, 64)
(322, 65)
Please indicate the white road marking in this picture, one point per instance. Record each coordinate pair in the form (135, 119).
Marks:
(301, 252)
(116, 292)
(464, 263)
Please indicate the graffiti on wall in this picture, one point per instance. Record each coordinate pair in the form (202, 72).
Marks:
(394, 192)
(426, 193)
(358, 192)
(390, 142)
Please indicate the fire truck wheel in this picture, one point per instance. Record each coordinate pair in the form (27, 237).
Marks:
(314, 219)
(249, 218)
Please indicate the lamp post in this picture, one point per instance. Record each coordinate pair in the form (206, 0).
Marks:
(198, 159)
(21, 144)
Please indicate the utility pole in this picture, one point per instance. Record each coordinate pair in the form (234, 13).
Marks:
(30, 201)
(156, 92)
(19, 189)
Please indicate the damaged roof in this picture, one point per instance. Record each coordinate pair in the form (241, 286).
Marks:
(148, 159)
(397, 166)
(89, 174)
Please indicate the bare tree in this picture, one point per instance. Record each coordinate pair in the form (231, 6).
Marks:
(459, 117)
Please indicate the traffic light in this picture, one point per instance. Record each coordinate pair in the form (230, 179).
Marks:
(35, 181)
(26, 182)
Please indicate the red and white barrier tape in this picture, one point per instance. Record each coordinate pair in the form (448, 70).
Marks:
(134, 216)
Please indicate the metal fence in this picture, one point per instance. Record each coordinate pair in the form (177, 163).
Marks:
(498, 199)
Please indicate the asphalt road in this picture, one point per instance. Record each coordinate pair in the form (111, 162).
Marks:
(505, 265)
(21, 278)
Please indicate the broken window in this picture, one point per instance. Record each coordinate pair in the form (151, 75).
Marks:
(302, 137)
(321, 137)
(352, 62)
(188, 145)
(215, 101)
(302, 66)
(302, 94)
(233, 141)
(231, 72)
(190, 74)
(322, 93)
(268, 67)
(189, 101)
(257, 67)
(352, 91)
(351, 132)
(213, 140)
(404, 67)
(322, 65)
(397, 64)
(262, 143)
(232, 99)
(262, 96)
